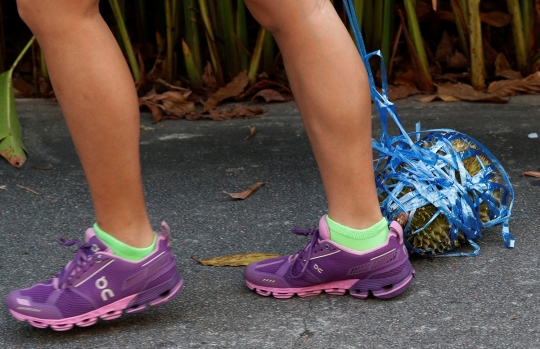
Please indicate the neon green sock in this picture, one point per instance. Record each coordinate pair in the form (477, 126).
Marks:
(359, 239)
(123, 250)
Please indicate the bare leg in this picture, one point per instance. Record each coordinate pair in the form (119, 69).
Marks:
(331, 87)
(96, 92)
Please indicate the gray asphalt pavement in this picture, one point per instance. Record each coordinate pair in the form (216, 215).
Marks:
(489, 301)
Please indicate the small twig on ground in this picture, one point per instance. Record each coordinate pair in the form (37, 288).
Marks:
(28, 189)
(3, 187)
(48, 168)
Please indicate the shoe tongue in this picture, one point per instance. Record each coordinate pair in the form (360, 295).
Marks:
(97, 244)
(324, 231)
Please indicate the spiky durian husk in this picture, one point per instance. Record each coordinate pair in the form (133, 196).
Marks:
(436, 236)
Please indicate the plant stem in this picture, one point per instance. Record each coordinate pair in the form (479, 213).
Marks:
(211, 41)
(359, 9)
(423, 79)
(368, 24)
(193, 73)
(21, 55)
(527, 9)
(519, 39)
(388, 20)
(132, 58)
(377, 23)
(416, 36)
(465, 8)
(2, 41)
(462, 27)
(43, 66)
(232, 60)
(256, 57)
(269, 53)
(241, 30)
(142, 26)
(192, 34)
(478, 69)
(170, 62)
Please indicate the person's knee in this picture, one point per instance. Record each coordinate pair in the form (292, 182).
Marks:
(274, 15)
(39, 15)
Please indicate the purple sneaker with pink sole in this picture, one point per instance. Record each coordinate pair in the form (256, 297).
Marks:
(323, 265)
(98, 284)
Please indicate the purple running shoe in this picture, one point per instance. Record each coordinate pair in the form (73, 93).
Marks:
(98, 284)
(323, 265)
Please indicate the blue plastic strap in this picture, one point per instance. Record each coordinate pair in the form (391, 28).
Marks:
(434, 170)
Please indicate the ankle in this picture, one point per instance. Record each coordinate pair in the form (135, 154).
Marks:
(137, 236)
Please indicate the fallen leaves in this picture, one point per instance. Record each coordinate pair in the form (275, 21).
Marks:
(235, 260)
(403, 91)
(270, 95)
(11, 143)
(174, 103)
(459, 91)
(243, 195)
(531, 174)
(180, 103)
(530, 84)
(252, 133)
(232, 89)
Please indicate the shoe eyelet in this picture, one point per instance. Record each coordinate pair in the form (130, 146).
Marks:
(326, 246)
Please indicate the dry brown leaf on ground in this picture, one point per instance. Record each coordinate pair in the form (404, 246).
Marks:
(453, 77)
(496, 18)
(457, 61)
(457, 92)
(443, 98)
(173, 103)
(501, 64)
(270, 95)
(468, 93)
(208, 78)
(531, 174)
(232, 89)
(266, 84)
(445, 49)
(235, 260)
(510, 75)
(222, 114)
(252, 133)
(243, 195)
(407, 78)
(503, 88)
(155, 109)
(399, 92)
(504, 69)
(23, 89)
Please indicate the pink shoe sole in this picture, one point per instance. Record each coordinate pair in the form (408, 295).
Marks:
(109, 312)
(338, 288)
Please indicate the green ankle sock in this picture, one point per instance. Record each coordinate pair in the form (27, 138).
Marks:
(123, 250)
(359, 239)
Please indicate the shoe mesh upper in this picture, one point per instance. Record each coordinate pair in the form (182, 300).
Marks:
(389, 273)
(40, 292)
(161, 279)
(71, 303)
(272, 268)
(305, 280)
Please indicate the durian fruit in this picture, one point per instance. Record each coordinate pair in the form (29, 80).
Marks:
(436, 236)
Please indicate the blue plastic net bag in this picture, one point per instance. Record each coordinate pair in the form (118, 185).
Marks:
(451, 187)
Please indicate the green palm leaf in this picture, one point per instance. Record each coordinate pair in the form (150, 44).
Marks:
(11, 144)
